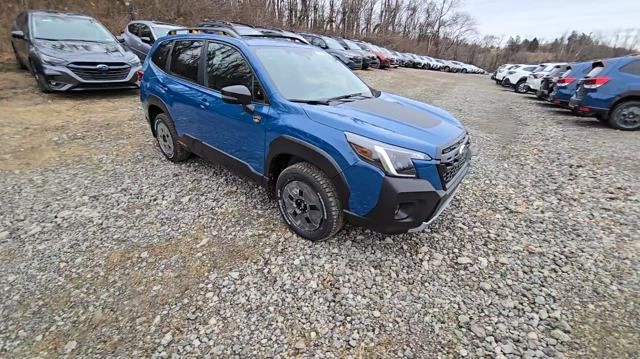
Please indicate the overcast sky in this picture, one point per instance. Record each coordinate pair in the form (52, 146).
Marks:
(551, 18)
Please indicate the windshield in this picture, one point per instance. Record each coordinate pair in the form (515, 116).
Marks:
(163, 30)
(332, 43)
(351, 45)
(48, 27)
(288, 68)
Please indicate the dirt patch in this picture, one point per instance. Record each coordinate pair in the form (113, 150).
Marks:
(45, 129)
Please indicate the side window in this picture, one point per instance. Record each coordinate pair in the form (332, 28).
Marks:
(159, 57)
(226, 66)
(185, 59)
(133, 29)
(317, 42)
(145, 31)
(632, 68)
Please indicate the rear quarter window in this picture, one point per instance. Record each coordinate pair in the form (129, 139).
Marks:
(161, 55)
(632, 68)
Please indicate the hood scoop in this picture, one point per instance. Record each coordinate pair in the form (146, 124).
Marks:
(396, 111)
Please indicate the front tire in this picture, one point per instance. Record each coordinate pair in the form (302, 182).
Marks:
(40, 78)
(167, 139)
(308, 202)
(626, 116)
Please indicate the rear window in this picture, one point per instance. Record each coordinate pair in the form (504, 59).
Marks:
(185, 59)
(632, 68)
(530, 68)
(159, 57)
(596, 69)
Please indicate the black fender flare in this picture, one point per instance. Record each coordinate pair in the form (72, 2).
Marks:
(287, 145)
(154, 101)
(626, 96)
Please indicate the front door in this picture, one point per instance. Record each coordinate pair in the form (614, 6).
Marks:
(236, 130)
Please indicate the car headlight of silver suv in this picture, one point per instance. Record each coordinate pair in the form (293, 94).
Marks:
(394, 161)
(134, 60)
(50, 60)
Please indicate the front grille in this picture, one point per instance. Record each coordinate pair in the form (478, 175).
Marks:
(117, 71)
(453, 160)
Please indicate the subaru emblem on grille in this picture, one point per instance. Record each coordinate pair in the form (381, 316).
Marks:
(102, 67)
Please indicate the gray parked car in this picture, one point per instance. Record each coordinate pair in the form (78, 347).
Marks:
(140, 35)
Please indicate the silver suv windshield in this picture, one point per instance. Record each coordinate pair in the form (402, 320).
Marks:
(52, 27)
(288, 68)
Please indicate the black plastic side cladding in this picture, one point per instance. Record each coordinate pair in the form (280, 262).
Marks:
(154, 101)
(287, 145)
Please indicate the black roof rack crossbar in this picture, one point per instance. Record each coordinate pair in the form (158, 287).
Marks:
(206, 30)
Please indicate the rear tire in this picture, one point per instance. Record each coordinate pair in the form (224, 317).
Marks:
(626, 116)
(308, 202)
(167, 139)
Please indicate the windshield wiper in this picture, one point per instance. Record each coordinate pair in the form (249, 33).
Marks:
(312, 102)
(344, 97)
(81, 40)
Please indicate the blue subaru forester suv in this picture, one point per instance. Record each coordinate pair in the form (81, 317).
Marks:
(611, 92)
(296, 120)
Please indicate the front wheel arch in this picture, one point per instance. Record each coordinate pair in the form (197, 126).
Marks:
(286, 150)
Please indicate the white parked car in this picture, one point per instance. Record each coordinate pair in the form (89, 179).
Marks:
(517, 79)
(501, 72)
(535, 78)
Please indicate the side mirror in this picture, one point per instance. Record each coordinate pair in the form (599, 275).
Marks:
(236, 94)
(120, 39)
(146, 40)
(17, 34)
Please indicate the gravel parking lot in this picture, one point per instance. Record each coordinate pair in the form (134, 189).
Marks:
(107, 249)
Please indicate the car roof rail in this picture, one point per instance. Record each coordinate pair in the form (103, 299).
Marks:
(205, 30)
(227, 23)
(274, 35)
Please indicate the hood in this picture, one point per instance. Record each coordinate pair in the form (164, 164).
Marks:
(392, 119)
(354, 53)
(339, 52)
(83, 50)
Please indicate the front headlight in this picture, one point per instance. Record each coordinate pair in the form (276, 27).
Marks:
(395, 161)
(134, 61)
(50, 60)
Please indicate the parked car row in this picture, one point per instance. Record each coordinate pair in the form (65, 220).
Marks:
(608, 90)
(69, 51)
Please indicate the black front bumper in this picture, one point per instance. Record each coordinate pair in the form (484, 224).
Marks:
(407, 204)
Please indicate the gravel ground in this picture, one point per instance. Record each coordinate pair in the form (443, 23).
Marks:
(107, 249)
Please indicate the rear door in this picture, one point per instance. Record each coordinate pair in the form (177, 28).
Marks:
(184, 87)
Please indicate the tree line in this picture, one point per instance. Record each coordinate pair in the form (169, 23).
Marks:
(437, 28)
